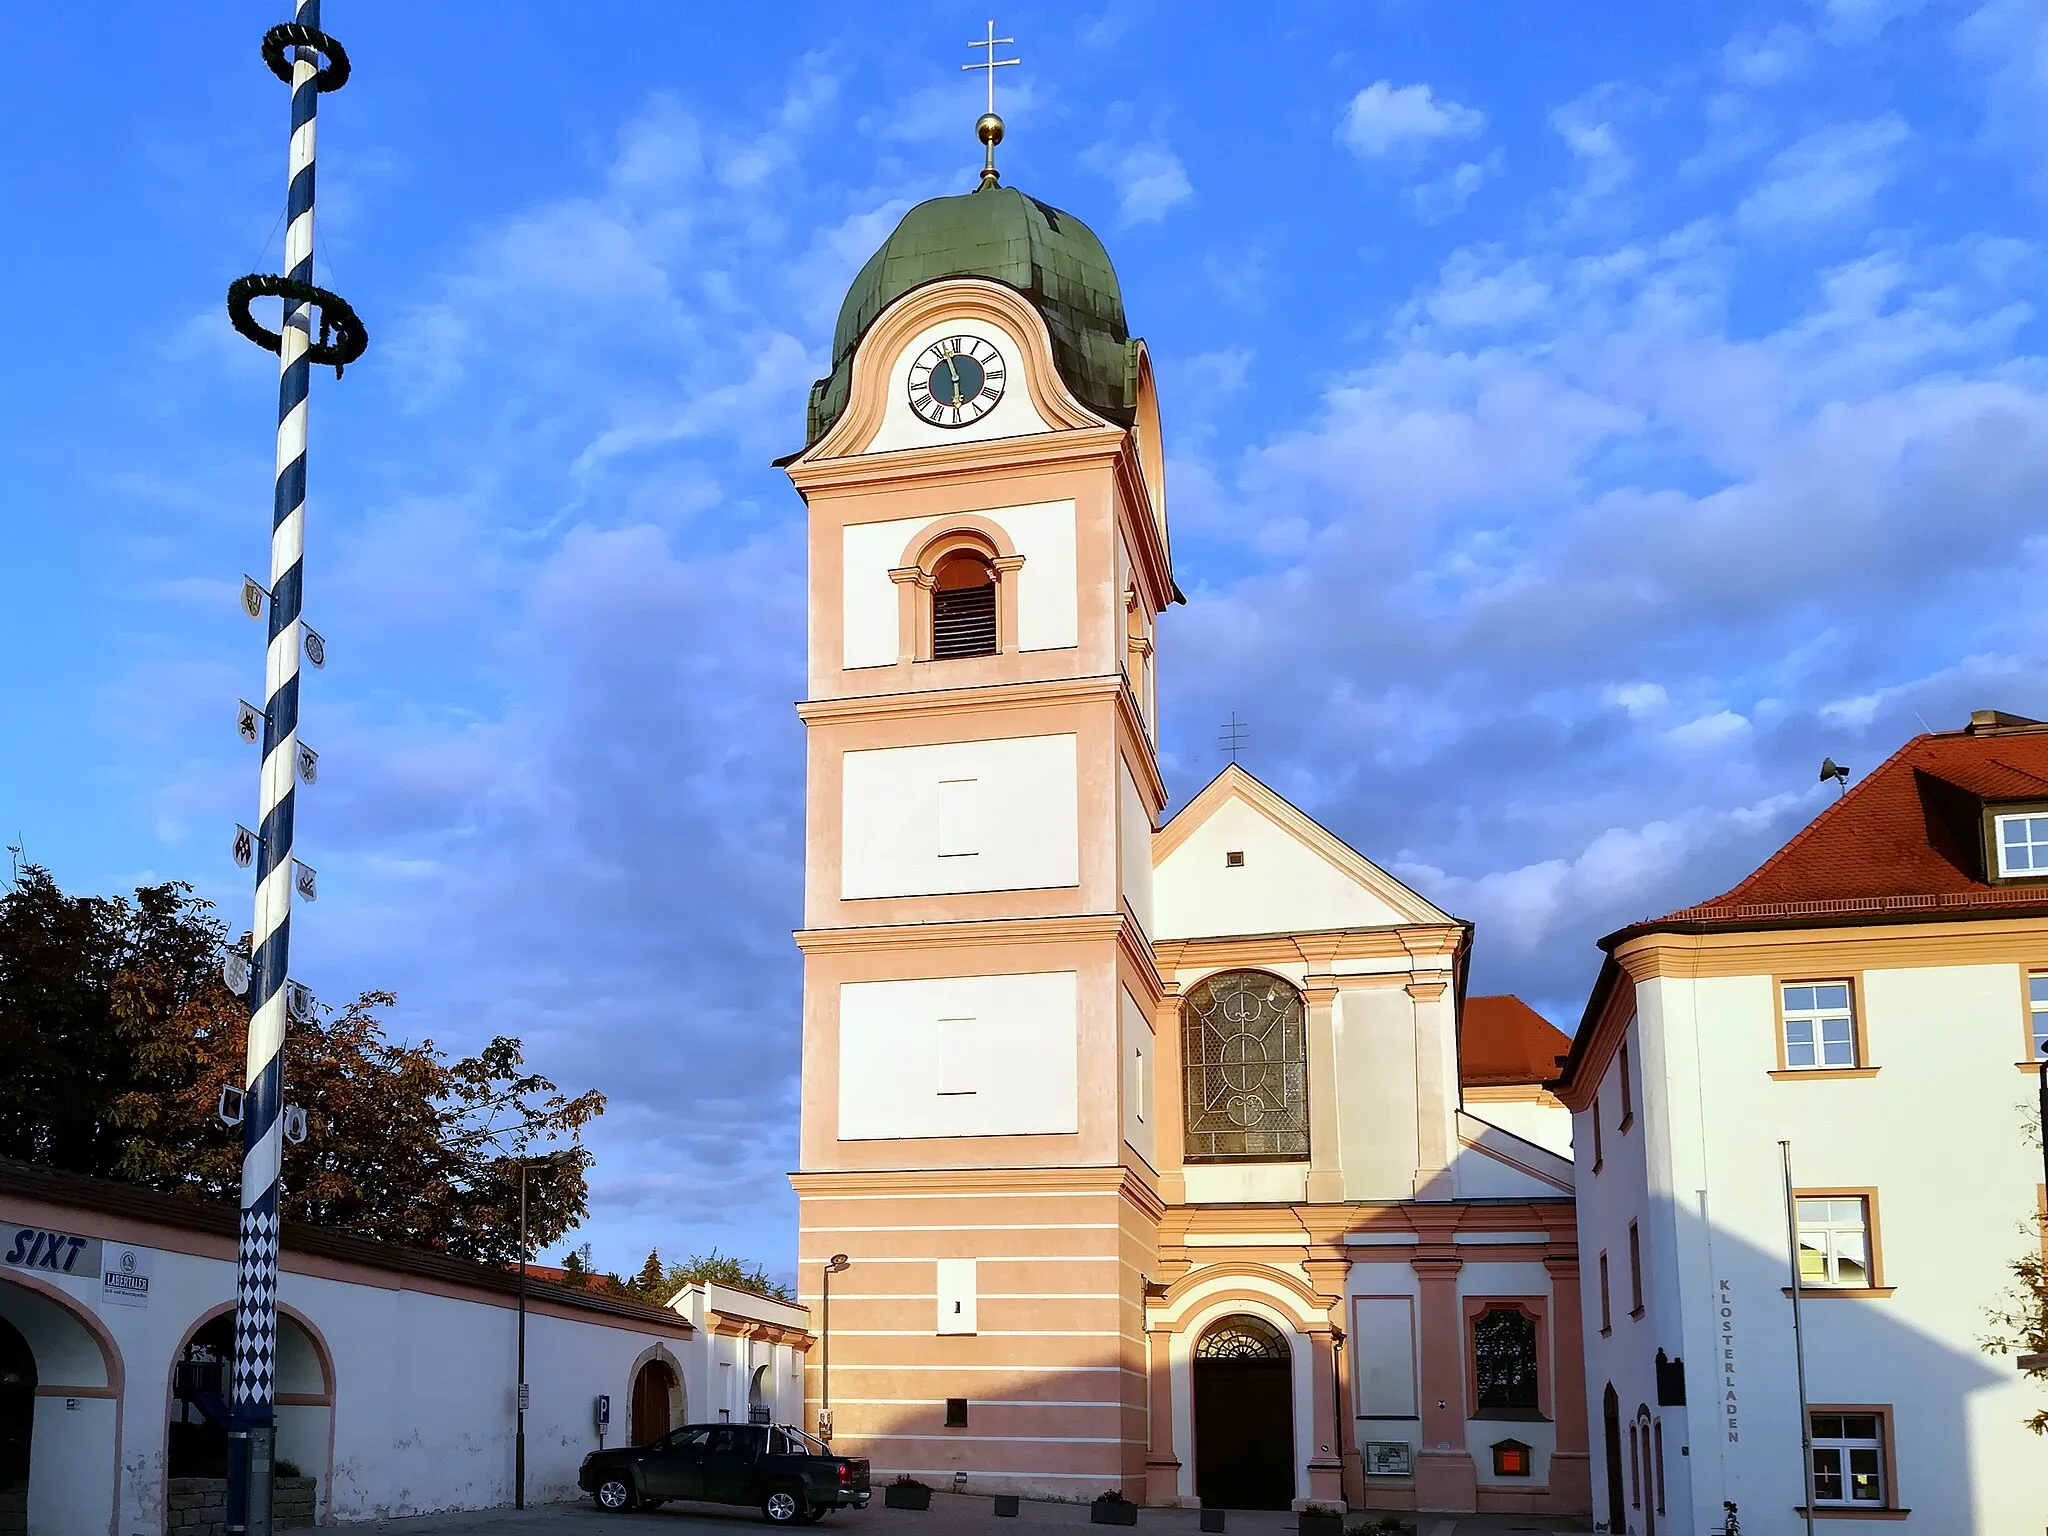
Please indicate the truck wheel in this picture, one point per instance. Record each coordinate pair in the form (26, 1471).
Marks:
(614, 1492)
(783, 1506)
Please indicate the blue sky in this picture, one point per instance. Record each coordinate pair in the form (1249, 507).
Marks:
(1576, 431)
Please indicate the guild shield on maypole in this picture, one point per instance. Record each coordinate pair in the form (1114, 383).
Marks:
(310, 62)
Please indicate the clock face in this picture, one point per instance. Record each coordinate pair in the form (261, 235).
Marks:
(956, 381)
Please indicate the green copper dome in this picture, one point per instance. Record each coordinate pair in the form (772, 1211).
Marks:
(996, 232)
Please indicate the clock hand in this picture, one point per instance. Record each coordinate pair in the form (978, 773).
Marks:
(953, 378)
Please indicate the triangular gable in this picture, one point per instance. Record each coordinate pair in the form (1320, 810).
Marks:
(1297, 876)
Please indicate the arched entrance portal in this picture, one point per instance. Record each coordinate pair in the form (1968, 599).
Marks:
(759, 1409)
(1244, 1416)
(17, 1427)
(1617, 1496)
(652, 1389)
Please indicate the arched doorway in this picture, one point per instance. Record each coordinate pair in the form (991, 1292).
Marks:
(72, 1391)
(1617, 1496)
(1649, 1472)
(1244, 1415)
(17, 1427)
(195, 1432)
(653, 1386)
(759, 1409)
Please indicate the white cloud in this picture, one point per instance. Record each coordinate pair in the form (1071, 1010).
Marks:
(1767, 59)
(1638, 699)
(1476, 292)
(1830, 177)
(1435, 201)
(1150, 180)
(1386, 120)
(1710, 733)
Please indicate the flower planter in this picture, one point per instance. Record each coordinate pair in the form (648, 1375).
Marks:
(1316, 1523)
(1113, 1512)
(907, 1496)
(1006, 1505)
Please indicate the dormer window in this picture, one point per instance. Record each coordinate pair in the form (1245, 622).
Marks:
(964, 608)
(2021, 839)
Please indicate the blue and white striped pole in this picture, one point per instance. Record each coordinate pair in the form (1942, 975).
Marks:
(311, 63)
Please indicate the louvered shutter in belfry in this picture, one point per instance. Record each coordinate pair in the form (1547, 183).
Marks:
(964, 622)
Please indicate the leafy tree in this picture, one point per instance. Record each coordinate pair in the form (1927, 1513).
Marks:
(723, 1269)
(2019, 1319)
(119, 1014)
(576, 1266)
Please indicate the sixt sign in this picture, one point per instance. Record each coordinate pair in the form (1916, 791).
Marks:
(47, 1252)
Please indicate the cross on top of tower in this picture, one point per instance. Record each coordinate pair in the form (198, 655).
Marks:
(990, 127)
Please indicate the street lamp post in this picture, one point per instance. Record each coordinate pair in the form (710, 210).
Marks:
(519, 1422)
(837, 1265)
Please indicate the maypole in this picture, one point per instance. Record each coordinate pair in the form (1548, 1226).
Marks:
(311, 62)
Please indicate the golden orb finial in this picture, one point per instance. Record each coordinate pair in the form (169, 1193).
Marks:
(989, 128)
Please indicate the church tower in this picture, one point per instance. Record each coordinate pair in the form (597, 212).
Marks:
(988, 557)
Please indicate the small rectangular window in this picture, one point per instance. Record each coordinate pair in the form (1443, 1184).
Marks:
(2023, 843)
(1849, 1461)
(956, 1413)
(1233, 861)
(957, 1293)
(1834, 1241)
(1606, 1312)
(959, 818)
(1820, 1026)
(1599, 1152)
(1628, 1091)
(1141, 1085)
(959, 1057)
(1635, 1271)
(2037, 1014)
(1657, 1461)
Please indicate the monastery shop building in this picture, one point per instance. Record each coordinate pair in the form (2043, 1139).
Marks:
(1166, 1155)
(396, 1384)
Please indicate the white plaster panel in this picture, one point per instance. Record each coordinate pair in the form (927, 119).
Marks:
(1134, 847)
(868, 602)
(1013, 416)
(1024, 789)
(1383, 1341)
(1283, 886)
(1376, 1102)
(891, 1051)
(1048, 583)
(1141, 1066)
(1242, 1183)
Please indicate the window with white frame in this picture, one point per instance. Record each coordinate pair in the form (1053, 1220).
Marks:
(1820, 1025)
(1834, 1240)
(1848, 1461)
(2037, 1013)
(2023, 843)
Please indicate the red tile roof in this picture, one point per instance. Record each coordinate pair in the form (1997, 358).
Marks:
(1907, 838)
(1502, 1041)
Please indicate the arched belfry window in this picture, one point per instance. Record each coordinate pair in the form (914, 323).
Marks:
(1246, 1054)
(1241, 1337)
(963, 607)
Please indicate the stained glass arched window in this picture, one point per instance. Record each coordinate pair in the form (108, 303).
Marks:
(1246, 1053)
(1241, 1337)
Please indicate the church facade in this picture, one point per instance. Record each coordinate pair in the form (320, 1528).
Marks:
(1157, 1154)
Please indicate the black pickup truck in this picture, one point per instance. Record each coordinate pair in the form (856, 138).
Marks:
(791, 1478)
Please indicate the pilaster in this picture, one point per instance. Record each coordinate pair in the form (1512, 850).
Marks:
(1571, 1464)
(1444, 1475)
